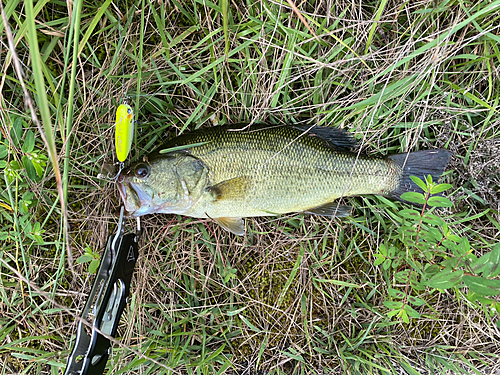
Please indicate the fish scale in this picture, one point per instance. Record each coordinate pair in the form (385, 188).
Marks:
(289, 171)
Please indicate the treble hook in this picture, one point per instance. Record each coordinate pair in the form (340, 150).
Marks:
(114, 178)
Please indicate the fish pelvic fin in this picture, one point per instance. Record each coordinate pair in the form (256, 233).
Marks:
(235, 188)
(234, 225)
(331, 209)
(419, 164)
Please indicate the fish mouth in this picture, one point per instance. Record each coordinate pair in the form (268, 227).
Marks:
(136, 201)
(122, 191)
(129, 196)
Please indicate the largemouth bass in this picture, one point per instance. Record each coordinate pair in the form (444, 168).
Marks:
(227, 173)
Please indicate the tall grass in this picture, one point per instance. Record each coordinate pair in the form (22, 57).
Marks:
(299, 294)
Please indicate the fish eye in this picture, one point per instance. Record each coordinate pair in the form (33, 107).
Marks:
(129, 111)
(142, 170)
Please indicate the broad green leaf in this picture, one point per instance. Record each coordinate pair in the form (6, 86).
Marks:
(435, 234)
(416, 301)
(410, 232)
(427, 237)
(432, 219)
(445, 279)
(30, 169)
(413, 197)
(440, 188)
(482, 265)
(453, 237)
(395, 293)
(421, 184)
(404, 316)
(495, 261)
(409, 241)
(450, 245)
(387, 264)
(410, 214)
(380, 259)
(39, 239)
(28, 196)
(94, 264)
(424, 247)
(401, 276)
(36, 227)
(383, 249)
(484, 300)
(14, 164)
(439, 202)
(38, 167)
(393, 304)
(412, 313)
(3, 151)
(27, 227)
(482, 285)
(84, 258)
(464, 246)
(29, 142)
(396, 263)
(393, 312)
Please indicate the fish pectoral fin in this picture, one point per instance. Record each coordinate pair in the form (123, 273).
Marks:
(234, 225)
(331, 209)
(235, 188)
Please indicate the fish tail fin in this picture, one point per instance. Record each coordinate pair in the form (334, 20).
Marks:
(419, 164)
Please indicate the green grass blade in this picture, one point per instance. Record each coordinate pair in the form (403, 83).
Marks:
(375, 24)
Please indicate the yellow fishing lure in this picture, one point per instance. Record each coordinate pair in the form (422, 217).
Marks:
(124, 131)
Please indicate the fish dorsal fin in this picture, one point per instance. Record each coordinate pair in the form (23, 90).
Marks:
(235, 188)
(337, 138)
(331, 209)
(234, 225)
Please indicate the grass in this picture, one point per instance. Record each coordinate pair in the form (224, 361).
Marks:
(299, 294)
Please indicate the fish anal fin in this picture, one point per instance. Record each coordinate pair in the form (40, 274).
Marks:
(235, 188)
(234, 225)
(331, 209)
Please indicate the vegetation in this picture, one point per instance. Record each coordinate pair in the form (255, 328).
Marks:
(392, 289)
